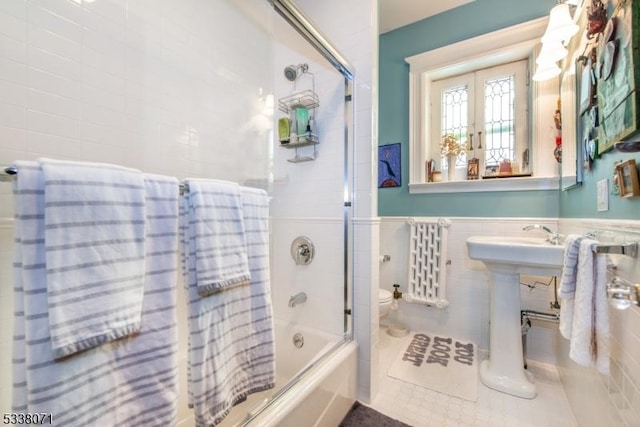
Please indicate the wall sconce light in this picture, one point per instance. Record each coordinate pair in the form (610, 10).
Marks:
(552, 51)
(561, 26)
(546, 70)
(559, 30)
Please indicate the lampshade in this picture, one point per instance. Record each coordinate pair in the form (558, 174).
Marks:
(546, 71)
(561, 27)
(552, 51)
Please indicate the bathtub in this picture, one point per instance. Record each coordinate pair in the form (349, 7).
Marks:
(320, 396)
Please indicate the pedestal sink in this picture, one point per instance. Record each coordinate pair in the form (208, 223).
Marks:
(507, 257)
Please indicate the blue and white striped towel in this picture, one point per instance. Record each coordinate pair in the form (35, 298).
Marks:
(589, 342)
(218, 234)
(129, 382)
(255, 208)
(95, 247)
(231, 345)
(567, 289)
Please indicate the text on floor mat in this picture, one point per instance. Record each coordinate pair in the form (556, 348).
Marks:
(441, 351)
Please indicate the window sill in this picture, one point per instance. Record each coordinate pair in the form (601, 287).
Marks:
(486, 185)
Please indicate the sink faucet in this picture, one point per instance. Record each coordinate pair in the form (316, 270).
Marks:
(298, 298)
(552, 237)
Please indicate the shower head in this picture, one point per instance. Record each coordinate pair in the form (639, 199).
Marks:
(292, 72)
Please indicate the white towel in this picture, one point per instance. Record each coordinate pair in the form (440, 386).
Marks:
(589, 342)
(95, 245)
(255, 208)
(567, 289)
(231, 346)
(129, 382)
(218, 232)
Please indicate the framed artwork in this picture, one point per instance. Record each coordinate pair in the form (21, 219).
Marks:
(618, 76)
(627, 175)
(389, 169)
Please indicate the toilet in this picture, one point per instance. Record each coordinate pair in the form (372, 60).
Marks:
(385, 299)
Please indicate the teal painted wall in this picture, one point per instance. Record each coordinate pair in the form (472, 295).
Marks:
(581, 202)
(473, 19)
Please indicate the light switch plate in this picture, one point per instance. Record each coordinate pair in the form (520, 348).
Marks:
(603, 195)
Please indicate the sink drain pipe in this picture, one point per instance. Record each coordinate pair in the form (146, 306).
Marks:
(525, 325)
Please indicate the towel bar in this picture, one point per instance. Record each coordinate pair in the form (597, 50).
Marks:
(630, 249)
(10, 171)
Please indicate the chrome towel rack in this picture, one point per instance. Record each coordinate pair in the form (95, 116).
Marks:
(11, 171)
(629, 249)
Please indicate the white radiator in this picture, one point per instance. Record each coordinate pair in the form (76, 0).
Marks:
(427, 262)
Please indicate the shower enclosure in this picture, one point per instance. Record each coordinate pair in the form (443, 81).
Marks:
(309, 182)
(191, 88)
(310, 185)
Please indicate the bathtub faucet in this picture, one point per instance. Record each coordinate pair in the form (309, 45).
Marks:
(298, 298)
(553, 238)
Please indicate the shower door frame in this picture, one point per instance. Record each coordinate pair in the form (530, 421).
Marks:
(296, 18)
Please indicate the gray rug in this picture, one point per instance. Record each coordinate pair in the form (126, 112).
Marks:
(363, 416)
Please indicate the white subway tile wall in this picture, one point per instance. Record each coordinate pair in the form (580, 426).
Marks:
(179, 88)
(184, 88)
(613, 400)
(595, 400)
(167, 86)
(467, 316)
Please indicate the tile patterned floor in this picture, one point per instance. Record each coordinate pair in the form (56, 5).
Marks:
(421, 407)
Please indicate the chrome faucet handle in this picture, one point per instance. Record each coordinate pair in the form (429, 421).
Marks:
(552, 236)
(302, 250)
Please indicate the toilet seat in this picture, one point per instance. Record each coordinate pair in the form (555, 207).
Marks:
(384, 296)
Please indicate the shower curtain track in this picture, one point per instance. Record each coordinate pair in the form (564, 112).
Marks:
(294, 16)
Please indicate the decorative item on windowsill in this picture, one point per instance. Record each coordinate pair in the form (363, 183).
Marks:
(505, 168)
(429, 168)
(472, 168)
(451, 148)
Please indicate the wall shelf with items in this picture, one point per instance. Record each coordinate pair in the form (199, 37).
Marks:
(296, 130)
(303, 141)
(307, 99)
